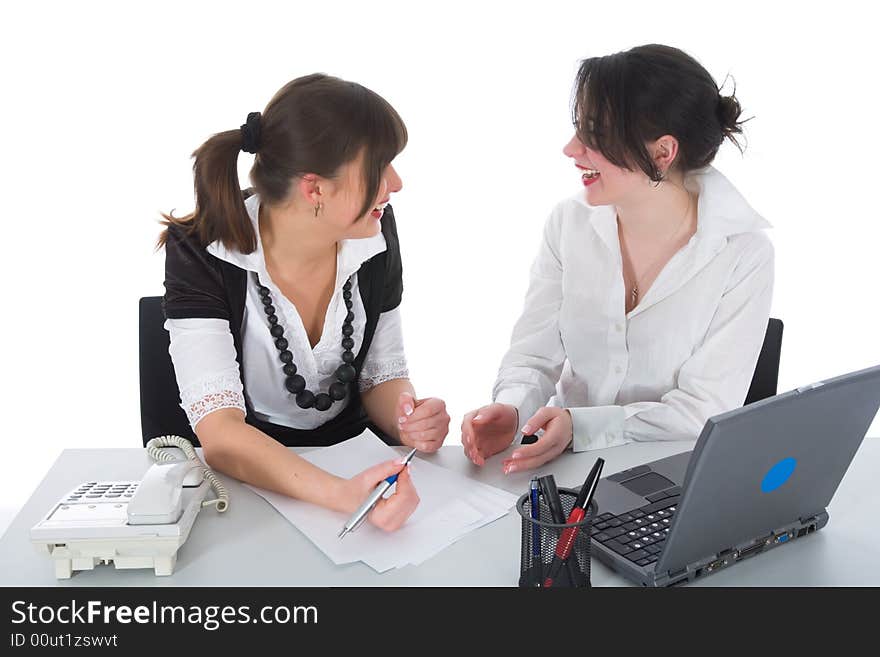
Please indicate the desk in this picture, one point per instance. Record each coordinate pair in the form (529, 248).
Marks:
(252, 545)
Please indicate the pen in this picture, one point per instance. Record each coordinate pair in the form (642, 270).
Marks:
(536, 532)
(548, 487)
(566, 541)
(372, 499)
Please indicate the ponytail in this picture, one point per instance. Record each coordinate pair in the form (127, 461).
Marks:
(220, 213)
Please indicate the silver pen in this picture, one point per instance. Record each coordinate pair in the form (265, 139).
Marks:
(372, 499)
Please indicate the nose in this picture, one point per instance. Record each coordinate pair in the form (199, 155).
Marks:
(395, 184)
(574, 148)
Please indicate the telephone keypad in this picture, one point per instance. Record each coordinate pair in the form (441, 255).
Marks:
(94, 491)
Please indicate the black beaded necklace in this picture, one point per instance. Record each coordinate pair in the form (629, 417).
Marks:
(294, 382)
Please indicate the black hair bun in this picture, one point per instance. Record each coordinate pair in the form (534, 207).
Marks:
(728, 113)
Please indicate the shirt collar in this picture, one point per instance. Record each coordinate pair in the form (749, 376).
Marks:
(350, 254)
(721, 210)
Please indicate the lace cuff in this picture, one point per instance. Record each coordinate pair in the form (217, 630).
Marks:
(224, 391)
(374, 373)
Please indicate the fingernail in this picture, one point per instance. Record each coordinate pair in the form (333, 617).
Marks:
(408, 409)
(527, 430)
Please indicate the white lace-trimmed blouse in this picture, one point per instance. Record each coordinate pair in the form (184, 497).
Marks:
(204, 354)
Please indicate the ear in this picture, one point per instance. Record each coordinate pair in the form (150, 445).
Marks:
(664, 152)
(310, 187)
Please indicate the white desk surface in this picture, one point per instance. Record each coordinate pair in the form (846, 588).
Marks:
(252, 545)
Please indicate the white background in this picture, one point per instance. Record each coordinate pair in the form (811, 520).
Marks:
(103, 104)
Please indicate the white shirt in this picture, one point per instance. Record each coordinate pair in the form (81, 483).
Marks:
(203, 352)
(687, 351)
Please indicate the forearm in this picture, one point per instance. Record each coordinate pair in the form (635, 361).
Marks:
(241, 451)
(380, 402)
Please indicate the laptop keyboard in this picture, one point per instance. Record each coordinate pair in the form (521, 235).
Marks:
(640, 534)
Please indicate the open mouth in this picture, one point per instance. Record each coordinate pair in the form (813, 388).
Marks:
(587, 173)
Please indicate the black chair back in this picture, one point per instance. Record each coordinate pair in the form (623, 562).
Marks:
(766, 376)
(161, 413)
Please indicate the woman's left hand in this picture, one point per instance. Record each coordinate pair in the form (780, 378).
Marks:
(422, 423)
(557, 426)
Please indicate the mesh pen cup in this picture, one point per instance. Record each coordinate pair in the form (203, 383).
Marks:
(541, 536)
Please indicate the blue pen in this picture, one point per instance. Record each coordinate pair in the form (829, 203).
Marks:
(536, 531)
(361, 514)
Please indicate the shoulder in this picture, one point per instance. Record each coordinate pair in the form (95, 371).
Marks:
(753, 247)
(184, 250)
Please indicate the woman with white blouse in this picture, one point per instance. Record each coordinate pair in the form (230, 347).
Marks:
(283, 304)
(650, 295)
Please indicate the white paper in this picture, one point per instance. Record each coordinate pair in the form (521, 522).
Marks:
(451, 505)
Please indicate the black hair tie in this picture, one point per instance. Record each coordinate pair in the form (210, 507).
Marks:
(250, 133)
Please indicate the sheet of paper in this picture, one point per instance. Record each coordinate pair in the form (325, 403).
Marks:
(451, 505)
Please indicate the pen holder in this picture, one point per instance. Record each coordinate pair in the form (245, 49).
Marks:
(542, 533)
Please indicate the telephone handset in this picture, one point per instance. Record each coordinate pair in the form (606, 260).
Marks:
(158, 498)
(131, 524)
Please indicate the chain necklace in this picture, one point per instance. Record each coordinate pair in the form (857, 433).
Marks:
(634, 292)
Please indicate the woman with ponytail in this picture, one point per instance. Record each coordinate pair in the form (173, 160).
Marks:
(282, 301)
(650, 294)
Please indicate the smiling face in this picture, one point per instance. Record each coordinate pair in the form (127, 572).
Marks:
(342, 199)
(605, 183)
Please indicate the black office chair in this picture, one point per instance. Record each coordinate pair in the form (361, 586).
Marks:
(161, 413)
(766, 376)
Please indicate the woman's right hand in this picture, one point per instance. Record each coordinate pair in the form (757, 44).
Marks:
(488, 430)
(390, 512)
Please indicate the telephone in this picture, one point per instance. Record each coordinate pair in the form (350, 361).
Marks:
(131, 524)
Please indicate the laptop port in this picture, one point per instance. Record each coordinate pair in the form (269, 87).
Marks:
(752, 549)
(715, 565)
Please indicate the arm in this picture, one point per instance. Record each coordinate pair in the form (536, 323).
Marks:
(531, 367)
(381, 404)
(386, 392)
(239, 450)
(212, 397)
(389, 397)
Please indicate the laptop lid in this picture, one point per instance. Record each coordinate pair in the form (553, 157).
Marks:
(762, 466)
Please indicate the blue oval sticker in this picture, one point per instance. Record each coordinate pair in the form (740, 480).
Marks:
(778, 475)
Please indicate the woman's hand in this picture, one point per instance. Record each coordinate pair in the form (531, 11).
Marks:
(390, 512)
(487, 431)
(557, 426)
(422, 423)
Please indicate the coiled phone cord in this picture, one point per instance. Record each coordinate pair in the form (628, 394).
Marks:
(154, 449)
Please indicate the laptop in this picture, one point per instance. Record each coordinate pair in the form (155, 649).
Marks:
(759, 477)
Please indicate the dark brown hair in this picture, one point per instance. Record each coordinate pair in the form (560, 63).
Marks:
(624, 100)
(313, 124)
